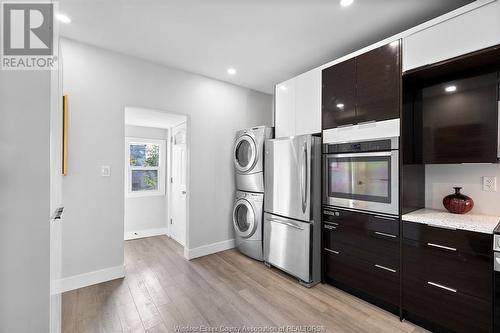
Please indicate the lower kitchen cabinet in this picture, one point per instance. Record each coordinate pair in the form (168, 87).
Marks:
(443, 309)
(361, 255)
(375, 283)
(447, 278)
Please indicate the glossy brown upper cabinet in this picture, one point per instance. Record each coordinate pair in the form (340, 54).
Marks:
(339, 95)
(378, 84)
(364, 88)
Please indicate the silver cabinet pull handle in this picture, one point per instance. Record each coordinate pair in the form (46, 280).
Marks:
(330, 227)
(286, 223)
(442, 247)
(441, 286)
(440, 226)
(367, 122)
(384, 234)
(346, 125)
(332, 251)
(331, 223)
(386, 268)
(385, 217)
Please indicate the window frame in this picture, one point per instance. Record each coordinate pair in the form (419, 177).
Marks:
(161, 168)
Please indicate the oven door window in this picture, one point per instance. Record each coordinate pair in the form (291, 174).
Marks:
(360, 178)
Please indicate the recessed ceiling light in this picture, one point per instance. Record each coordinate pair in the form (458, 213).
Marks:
(283, 87)
(395, 43)
(231, 71)
(345, 3)
(63, 18)
(450, 89)
(340, 106)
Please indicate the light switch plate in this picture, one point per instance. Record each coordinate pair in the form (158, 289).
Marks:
(105, 171)
(489, 183)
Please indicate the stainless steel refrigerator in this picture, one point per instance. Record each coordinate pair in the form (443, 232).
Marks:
(292, 206)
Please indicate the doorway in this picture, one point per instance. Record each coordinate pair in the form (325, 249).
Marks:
(155, 171)
(178, 191)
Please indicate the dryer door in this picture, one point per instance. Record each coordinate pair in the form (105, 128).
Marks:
(244, 218)
(245, 153)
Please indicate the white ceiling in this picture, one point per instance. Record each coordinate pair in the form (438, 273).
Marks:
(152, 118)
(267, 41)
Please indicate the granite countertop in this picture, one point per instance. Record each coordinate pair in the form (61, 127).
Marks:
(470, 222)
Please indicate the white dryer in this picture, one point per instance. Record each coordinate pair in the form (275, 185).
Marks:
(248, 156)
(247, 222)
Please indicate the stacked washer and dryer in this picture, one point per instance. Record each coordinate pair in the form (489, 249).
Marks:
(248, 156)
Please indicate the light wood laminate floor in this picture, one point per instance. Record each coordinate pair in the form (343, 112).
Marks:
(162, 290)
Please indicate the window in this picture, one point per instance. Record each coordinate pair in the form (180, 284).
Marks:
(145, 165)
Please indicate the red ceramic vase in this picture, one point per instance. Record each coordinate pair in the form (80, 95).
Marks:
(457, 203)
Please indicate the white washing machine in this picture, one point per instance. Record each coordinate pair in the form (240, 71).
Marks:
(247, 222)
(248, 156)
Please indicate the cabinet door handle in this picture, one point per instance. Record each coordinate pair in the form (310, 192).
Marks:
(332, 251)
(384, 234)
(441, 286)
(330, 227)
(442, 247)
(331, 223)
(440, 226)
(385, 217)
(386, 268)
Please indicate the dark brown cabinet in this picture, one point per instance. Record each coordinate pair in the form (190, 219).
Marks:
(447, 278)
(362, 89)
(450, 110)
(339, 95)
(378, 84)
(460, 121)
(362, 255)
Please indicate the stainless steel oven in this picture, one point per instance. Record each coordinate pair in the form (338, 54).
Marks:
(362, 175)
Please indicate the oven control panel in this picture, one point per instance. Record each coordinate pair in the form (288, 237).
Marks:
(358, 147)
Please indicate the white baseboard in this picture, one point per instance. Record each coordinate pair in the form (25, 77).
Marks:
(145, 233)
(87, 279)
(177, 240)
(208, 249)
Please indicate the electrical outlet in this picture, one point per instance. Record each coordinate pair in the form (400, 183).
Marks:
(489, 184)
(105, 171)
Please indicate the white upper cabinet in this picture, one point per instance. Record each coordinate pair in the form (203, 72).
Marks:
(308, 102)
(468, 32)
(285, 109)
(298, 105)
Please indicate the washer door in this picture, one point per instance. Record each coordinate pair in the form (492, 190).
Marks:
(244, 218)
(245, 153)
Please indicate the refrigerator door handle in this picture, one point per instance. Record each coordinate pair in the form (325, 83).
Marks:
(303, 182)
(289, 224)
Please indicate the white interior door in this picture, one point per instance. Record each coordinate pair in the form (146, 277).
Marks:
(179, 174)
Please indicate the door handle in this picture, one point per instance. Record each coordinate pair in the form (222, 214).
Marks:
(304, 177)
(330, 227)
(384, 234)
(289, 224)
(386, 268)
(441, 286)
(331, 251)
(183, 192)
(384, 217)
(442, 247)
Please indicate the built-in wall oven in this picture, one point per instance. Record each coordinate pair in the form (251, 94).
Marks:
(362, 175)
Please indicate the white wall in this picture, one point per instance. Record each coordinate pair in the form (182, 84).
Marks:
(440, 180)
(24, 201)
(146, 215)
(100, 84)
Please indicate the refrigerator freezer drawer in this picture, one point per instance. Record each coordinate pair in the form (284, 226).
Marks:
(287, 245)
